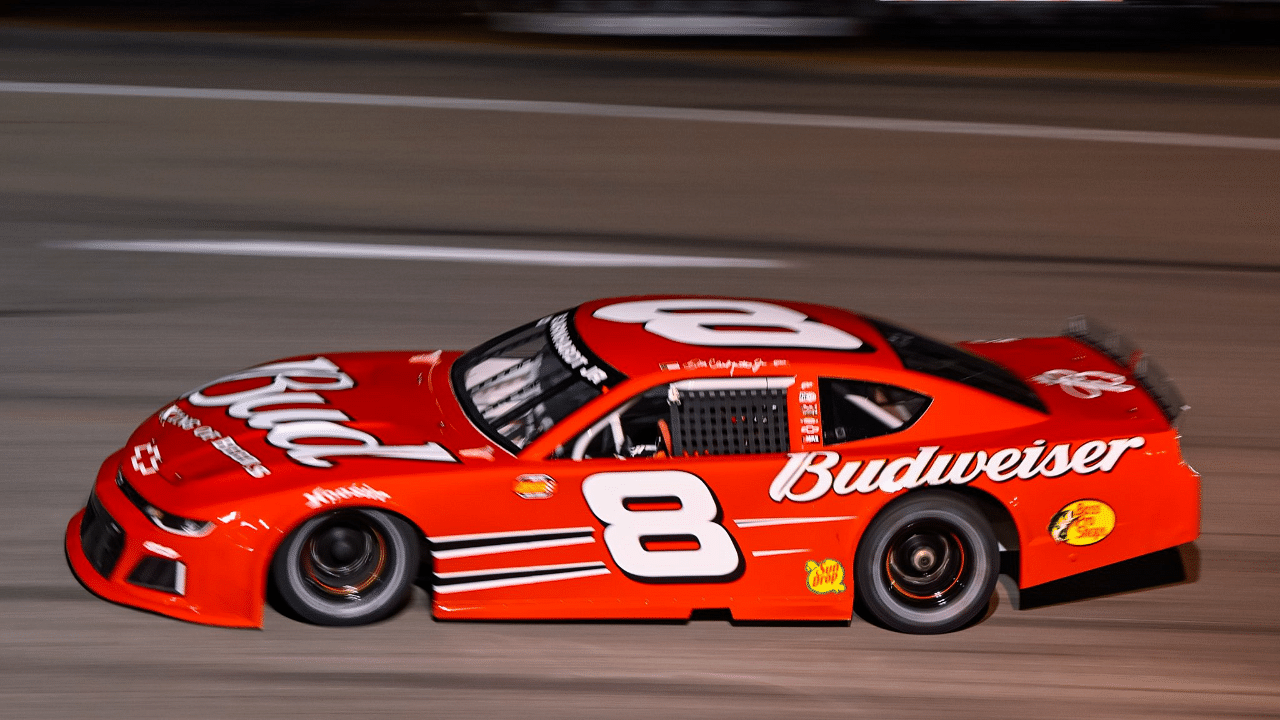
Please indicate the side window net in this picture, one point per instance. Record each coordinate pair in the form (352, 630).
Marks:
(730, 422)
(856, 410)
(713, 416)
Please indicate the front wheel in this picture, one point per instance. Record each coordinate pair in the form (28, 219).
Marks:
(927, 564)
(348, 567)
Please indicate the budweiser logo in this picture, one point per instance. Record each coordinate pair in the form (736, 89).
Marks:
(810, 475)
(302, 431)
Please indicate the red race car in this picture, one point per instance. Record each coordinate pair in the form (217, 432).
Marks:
(645, 458)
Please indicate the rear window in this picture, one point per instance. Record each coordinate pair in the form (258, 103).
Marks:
(856, 410)
(932, 357)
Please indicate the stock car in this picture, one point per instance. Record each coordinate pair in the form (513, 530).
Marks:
(646, 457)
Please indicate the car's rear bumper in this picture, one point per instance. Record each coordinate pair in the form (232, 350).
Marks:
(1154, 494)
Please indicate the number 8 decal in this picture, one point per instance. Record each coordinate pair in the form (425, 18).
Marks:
(729, 323)
(627, 533)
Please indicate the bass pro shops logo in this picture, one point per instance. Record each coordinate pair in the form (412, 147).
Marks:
(1083, 522)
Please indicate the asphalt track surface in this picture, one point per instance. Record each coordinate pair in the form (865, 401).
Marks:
(967, 235)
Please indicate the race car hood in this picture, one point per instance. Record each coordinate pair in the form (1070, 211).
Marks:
(303, 422)
(1074, 380)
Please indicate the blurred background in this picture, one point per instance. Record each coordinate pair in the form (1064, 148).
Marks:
(1148, 21)
(972, 169)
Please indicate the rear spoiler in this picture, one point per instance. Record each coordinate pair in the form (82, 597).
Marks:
(1119, 348)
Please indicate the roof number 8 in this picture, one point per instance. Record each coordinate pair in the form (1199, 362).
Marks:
(729, 323)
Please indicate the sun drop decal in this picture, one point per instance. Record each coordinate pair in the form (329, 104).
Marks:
(825, 578)
(296, 430)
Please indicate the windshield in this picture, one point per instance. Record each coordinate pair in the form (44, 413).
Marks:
(930, 356)
(518, 385)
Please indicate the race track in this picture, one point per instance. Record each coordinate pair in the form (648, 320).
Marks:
(969, 204)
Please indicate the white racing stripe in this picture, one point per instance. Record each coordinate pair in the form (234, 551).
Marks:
(526, 575)
(529, 569)
(509, 547)
(643, 112)
(771, 553)
(363, 251)
(767, 522)
(511, 582)
(510, 534)
(495, 543)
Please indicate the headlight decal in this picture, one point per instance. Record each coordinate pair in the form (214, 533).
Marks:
(164, 520)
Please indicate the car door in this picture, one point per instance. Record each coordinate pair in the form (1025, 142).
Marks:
(675, 481)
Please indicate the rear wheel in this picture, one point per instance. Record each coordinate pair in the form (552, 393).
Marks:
(348, 567)
(927, 564)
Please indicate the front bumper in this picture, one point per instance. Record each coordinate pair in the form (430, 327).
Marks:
(118, 554)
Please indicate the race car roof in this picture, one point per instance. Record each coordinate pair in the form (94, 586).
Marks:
(640, 335)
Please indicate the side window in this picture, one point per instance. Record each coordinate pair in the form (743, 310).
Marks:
(713, 416)
(855, 410)
(640, 428)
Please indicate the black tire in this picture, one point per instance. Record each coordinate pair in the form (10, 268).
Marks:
(349, 567)
(927, 564)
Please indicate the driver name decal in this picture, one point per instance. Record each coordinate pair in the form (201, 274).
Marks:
(297, 430)
(808, 476)
(570, 354)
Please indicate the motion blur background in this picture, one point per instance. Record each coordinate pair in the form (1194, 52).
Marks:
(975, 170)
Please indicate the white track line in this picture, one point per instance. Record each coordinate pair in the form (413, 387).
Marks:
(741, 117)
(307, 249)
